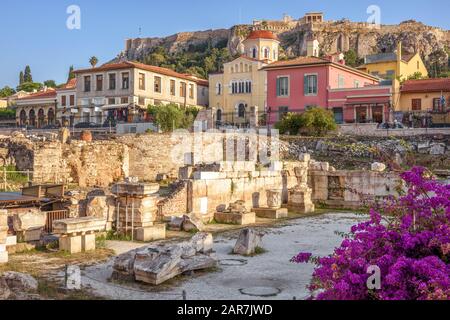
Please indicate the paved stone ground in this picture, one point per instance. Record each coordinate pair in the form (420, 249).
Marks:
(265, 274)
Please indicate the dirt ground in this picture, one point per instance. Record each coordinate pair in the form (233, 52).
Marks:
(48, 265)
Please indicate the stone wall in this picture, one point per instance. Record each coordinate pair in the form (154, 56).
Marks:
(350, 189)
(176, 203)
(370, 130)
(213, 191)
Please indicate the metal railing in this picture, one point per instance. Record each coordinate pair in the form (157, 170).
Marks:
(54, 216)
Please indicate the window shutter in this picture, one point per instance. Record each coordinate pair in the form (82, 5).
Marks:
(305, 84)
(278, 87)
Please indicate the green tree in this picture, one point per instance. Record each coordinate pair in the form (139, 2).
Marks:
(6, 92)
(21, 78)
(171, 117)
(318, 121)
(50, 83)
(93, 61)
(71, 74)
(290, 124)
(27, 77)
(30, 86)
(351, 58)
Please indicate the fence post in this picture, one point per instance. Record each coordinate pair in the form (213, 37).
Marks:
(4, 178)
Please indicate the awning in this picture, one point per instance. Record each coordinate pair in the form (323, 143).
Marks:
(115, 106)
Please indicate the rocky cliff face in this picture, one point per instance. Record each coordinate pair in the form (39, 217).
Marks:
(334, 36)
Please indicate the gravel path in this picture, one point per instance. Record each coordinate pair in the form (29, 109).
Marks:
(269, 275)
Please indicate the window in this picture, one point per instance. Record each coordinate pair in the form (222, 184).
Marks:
(125, 80)
(241, 110)
(283, 87)
(310, 84)
(416, 104)
(158, 84)
(341, 81)
(141, 101)
(356, 84)
(436, 104)
(418, 65)
(191, 91)
(390, 74)
(241, 86)
(87, 83)
(63, 101)
(254, 52)
(282, 112)
(124, 100)
(172, 87)
(234, 87)
(248, 86)
(99, 83)
(141, 81)
(112, 81)
(218, 89)
(266, 53)
(72, 100)
(183, 89)
(111, 101)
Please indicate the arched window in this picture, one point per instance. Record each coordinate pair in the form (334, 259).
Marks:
(241, 110)
(254, 53)
(219, 115)
(232, 70)
(32, 116)
(218, 88)
(23, 118)
(241, 67)
(51, 116)
(41, 118)
(266, 53)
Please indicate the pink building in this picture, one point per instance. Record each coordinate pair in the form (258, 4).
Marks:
(353, 96)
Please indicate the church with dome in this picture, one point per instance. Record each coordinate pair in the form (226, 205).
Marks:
(242, 85)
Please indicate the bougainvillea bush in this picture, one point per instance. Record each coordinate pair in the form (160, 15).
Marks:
(407, 238)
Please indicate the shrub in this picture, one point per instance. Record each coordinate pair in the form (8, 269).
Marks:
(315, 121)
(411, 247)
(318, 121)
(290, 124)
(171, 117)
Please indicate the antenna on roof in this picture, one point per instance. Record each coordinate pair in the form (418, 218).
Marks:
(140, 32)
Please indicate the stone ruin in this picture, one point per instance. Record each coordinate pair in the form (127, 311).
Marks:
(157, 264)
(138, 211)
(78, 234)
(236, 213)
(3, 236)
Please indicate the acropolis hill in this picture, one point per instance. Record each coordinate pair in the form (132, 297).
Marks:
(333, 36)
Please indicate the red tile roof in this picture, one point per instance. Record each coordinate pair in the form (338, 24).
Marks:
(262, 34)
(297, 62)
(50, 93)
(71, 84)
(426, 85)
(138, 65)
(312, 61)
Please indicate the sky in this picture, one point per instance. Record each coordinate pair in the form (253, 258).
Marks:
(35, 33)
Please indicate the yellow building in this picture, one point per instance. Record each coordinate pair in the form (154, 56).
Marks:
(3, 103)
(427, 97)
(395, 67)
(243, 85)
